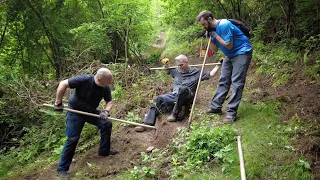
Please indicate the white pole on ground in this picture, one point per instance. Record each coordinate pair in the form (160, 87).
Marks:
(242, 169)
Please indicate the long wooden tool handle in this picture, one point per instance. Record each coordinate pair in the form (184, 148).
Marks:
(192, 65)
(242, 169)
(97, 116)
(200, 77)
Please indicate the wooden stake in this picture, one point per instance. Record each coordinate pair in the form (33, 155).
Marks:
(242, 169)
(97, 116)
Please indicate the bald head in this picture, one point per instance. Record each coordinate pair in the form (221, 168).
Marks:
(103, 77)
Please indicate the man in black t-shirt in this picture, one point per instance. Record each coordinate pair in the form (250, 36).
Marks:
(88, 92)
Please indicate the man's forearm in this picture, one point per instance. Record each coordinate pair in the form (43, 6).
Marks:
(63, 85)
(228, 45)
(109, 106)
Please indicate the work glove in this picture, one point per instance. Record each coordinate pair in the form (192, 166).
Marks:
(58, 107)
(221, 59)
(104, 115)
(165, 60)
(213, 34)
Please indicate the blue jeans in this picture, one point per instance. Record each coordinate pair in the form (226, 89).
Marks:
(233, 72)
(75, 123)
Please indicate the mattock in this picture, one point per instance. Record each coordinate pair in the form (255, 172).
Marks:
(97, 116)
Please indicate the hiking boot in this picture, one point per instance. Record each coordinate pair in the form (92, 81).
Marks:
(139, 129)
(63, 174)
(182, 113)
(229, 119)
(111, 152)
(214, 111)
(172, 118)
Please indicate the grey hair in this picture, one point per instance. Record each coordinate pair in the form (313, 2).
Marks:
(181, 58)
(205, 14)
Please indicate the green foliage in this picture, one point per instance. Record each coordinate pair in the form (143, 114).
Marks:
(48, 138)
(48, 37)
(117, 93)
(144, 172)
(182, 42)
(90, 137)
(154, 56)
(202, 145)
(132, 117)
(312, 43)
(276, 60)
(204, 142)
(265, 140)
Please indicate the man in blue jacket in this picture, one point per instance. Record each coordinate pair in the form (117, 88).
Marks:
(89, 90)
(238, 53)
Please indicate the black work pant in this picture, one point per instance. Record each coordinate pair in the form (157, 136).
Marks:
(169, 102)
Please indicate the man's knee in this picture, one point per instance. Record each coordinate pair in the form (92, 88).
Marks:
(106, 128)
(73, 139)
(184, 92)
(107, 124)
(161, 104)
(183, 89)
(159, 100)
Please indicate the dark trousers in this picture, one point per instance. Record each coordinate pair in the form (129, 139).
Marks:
(233, 73)
(169, 102)
(74, 125)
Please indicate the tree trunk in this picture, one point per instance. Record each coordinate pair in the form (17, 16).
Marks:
(3, 33)
(53, 43)
(100, 6)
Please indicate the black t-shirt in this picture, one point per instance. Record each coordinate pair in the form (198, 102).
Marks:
(87, 94)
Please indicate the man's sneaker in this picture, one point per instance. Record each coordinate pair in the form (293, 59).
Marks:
(172, 118)
(229, 119)
(139, 129)
(111, 152)
(63, 174)
(214, 111)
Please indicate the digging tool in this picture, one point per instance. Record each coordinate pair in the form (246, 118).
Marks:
(242, 169)
(97, 116)
(193, 65)
(196, 93)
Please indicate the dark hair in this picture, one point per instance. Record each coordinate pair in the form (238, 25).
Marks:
(205, 14)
